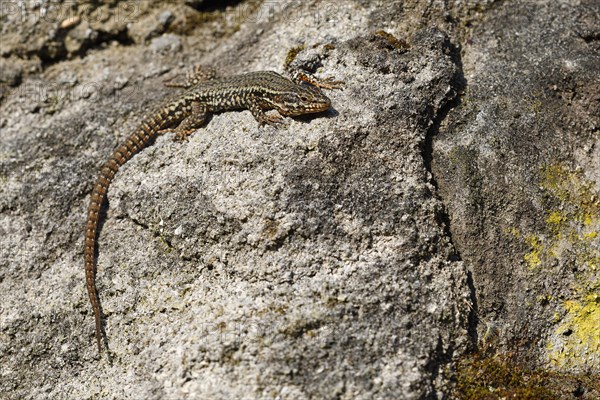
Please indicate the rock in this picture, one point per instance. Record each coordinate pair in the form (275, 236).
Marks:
(11, 72)
(165, 18)
(446, 204)
(166, 44)
(80, 38)
(512, 155)
(151, 26)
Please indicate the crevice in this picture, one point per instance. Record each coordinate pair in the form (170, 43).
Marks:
(589, 37)
(473, 317)
(55, 51)
(459, 84)
(137, 222)
(212, 5)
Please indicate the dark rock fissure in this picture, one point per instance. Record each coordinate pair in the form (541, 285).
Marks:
(459, 84)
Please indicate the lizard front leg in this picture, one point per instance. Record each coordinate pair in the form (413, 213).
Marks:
(263, 118)
(326, 83)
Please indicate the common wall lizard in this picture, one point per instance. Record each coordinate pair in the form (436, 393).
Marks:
(255, 91)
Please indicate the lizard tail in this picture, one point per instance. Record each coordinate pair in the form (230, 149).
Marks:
(142, 137)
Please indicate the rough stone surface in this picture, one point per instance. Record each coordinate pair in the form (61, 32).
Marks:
(517, 164)
(447, 202)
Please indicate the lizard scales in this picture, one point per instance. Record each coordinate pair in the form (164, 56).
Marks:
(255, 91)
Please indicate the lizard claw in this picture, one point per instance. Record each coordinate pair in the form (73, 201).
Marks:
(273, 120)
(325, 83)
(330, 83)
(182, 136)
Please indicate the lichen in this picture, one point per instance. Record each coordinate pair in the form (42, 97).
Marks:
(570, 223)
(577, 337)
(571, 237)
(586, 317)
(536, 103)
(533, 257)
(556, 221)
(575, 194)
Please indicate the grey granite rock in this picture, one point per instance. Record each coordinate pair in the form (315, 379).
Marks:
(447, 202)
(517, 166)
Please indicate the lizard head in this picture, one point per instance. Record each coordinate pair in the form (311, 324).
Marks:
(303, 99)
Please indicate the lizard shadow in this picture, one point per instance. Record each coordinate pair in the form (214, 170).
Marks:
(101, 220)
(306, 118)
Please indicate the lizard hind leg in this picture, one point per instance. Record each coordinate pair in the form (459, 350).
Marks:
(196, 76)
(196, 118)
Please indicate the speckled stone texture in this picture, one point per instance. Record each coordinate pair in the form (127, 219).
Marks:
(448, 202)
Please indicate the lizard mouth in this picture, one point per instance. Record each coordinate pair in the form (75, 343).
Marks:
(310, 109)
(324, 106)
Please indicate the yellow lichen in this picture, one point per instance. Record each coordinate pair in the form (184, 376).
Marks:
(555, 220)
(590, 235)
(513, 231)
(576, 341)
(576, 194)
(569, 225)
(536, 106)
(533, 257)
(572, 225)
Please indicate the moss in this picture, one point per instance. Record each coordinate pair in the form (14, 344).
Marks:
(498, 376)
(292, 54)
(53, 104)
(167, 247)
(392, 40)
